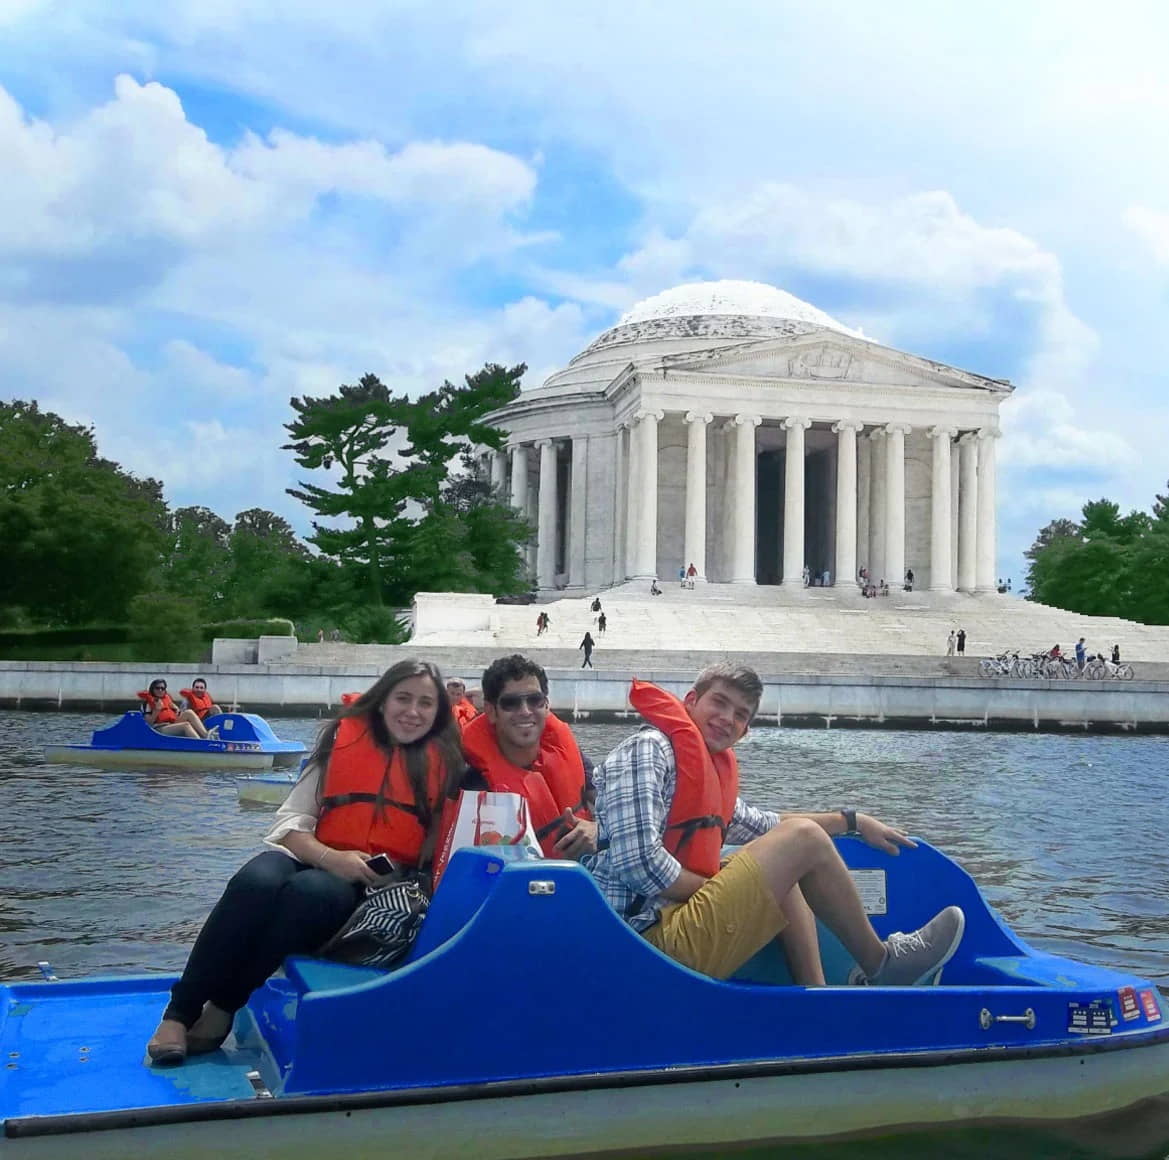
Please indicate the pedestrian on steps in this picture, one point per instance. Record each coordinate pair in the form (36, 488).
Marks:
(588, 644)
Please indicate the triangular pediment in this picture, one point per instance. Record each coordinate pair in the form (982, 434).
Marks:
(825, 357)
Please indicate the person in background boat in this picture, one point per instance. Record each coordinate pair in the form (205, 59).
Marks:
(375, 783)
(464, 712)
(519, 746)
(199, 700)
(475, 696)
(667, 799)
(163, 715)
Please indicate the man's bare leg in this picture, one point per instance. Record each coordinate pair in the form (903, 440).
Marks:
(801, 942)
(798, 852)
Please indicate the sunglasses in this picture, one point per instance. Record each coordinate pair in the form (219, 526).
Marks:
(156, 688)
(510, 702)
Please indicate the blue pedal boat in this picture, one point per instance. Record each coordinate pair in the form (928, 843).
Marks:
(268, 789)
(243, 741)
(529, 1020)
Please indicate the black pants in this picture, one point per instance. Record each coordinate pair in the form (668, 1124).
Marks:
(274, 906)
(587, 661)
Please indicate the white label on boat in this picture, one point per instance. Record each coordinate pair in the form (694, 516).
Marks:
(870, 885)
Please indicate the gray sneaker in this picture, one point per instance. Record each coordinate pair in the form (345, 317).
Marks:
(911, 959)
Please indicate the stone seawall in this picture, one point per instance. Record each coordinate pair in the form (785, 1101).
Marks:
(791, 699)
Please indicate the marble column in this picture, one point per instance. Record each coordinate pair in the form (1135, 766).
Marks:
(895, 503)
(793, 500)
(498, 471)
(694, 550)
(645, 495)
(578, 512)
(985, 578)
(621, 501)
(632, 502)
(955, 468)
(742, 499)
(864, 481)
(877, 511)
(941, 532)
(967, 511)
(546, 512)
(846, 503)
(519, 477)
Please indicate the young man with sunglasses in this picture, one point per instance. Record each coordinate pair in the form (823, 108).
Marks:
(667, 799)
(520, 746)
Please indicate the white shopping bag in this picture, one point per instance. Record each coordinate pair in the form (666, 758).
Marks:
(484, 818)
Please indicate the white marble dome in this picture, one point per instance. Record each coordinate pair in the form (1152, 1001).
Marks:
(729, 298)
(701, 315)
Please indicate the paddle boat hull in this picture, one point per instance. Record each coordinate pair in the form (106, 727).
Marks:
(241, 741)
(268, 789)
(529, 1020)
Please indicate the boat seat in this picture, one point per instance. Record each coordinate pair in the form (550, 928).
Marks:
(462, 891)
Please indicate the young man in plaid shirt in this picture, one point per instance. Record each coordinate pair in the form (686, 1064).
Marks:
(787, 874)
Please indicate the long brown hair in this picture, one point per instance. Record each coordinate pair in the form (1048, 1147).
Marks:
(444, 733)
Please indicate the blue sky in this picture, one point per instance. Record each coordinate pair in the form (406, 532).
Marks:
(211, 206)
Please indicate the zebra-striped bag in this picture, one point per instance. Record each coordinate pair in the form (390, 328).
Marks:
(383, 927)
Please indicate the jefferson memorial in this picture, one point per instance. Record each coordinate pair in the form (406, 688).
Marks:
(731, 426)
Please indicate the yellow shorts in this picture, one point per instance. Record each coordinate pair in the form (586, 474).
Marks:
(722, 924)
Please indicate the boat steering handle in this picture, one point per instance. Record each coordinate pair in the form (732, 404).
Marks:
(986, 1020)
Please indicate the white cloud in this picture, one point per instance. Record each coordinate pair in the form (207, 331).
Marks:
(1153, 228)
(1039, 430)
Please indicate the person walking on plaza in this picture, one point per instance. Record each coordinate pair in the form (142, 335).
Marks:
(601, 622)
(961, 642)
(668, 796)
(1116, 654)
(1081, 654)
(951, 641)
(908, 579)
(588, 644)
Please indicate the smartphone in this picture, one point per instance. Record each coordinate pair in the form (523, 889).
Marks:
(380, 864)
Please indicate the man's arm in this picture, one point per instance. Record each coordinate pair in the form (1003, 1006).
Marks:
(635, 792)
(875, 833)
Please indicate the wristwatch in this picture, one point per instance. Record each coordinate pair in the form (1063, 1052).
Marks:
(850, 830)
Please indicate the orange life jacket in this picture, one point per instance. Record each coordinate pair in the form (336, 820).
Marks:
(707, 785)
(350, 818)
(464, 712)
(555, 783)
(199, 702)
(168, 713)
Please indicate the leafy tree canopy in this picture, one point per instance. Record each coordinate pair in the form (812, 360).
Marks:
(80, 536)
(406, 522)
(1105, 564)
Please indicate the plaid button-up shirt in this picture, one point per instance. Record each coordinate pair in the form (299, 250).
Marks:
(635, 787)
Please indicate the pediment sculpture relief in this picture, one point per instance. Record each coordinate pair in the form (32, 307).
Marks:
(821, 362)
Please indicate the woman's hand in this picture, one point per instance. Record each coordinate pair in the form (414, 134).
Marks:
(352, 865)
(880, 836)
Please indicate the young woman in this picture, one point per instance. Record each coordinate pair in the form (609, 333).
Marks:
(374, 784)
(163, 714)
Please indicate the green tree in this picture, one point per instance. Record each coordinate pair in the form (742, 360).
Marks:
(450, 423)
(270, 569)
(165, 627)
(199, 560)
(352, 432)
(80, 536)
(415, 524)
(1103, 565)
